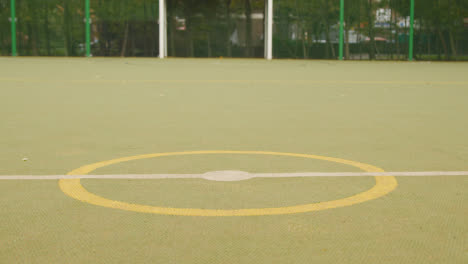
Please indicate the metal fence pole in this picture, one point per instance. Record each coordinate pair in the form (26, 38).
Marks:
(411, 34)
(13, 28)
(341, 29)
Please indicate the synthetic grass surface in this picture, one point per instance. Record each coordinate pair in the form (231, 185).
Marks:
(422, 221)
(254, 193)
(65, 113)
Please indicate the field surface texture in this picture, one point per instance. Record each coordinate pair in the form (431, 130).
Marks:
(59, 114)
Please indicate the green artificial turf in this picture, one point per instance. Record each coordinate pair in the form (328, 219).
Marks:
(63, 113)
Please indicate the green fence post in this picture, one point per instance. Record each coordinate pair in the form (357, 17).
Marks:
(411, 34)
(13, 28)
(341, 28)
(88, 29)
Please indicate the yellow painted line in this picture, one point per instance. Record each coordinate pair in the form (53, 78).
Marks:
(73, 188)
(237, 81)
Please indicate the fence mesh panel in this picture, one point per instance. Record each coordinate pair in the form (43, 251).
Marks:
(216, 28)
(50, 28)
(377, 29)
(125, 28)
(306, 29)
(5, 32)
(441, 30)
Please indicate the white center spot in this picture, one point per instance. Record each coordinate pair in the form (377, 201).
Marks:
(227, 176)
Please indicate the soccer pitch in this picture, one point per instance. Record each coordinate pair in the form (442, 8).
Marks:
(108, 160)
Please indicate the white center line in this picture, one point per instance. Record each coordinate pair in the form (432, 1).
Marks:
(244, 175)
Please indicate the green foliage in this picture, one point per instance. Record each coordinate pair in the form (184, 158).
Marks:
(212, 28)
(206, 28)
(5, 33)
(51, 28)
(303, 27)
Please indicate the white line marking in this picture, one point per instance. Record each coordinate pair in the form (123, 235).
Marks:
(250, 175)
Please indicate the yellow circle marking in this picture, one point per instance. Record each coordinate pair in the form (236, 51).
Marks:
(73, 188)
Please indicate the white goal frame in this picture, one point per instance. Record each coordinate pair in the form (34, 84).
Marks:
(268, 29)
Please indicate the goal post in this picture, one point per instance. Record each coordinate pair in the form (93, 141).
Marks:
(162, 29)
(268, 29)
